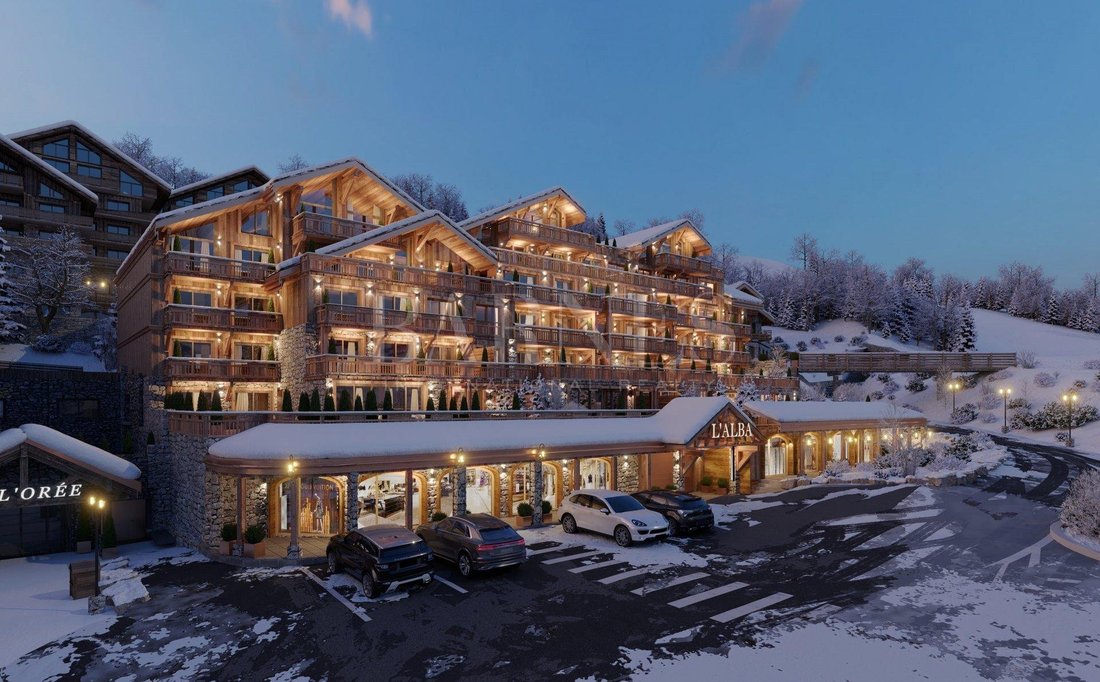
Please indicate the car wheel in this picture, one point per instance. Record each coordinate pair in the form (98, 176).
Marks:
(674, 528)
(568, 524)
(370, 586)
(622, 536)
(465, 566)
(333, 564)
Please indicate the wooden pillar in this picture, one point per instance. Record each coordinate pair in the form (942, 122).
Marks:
(293, 550)
(614, 472)
(409, 482)
(240, 515)
(577, 482)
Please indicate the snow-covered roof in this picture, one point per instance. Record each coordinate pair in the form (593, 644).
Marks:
(352, 244)
(221, 177)
(72, 450)
(49, 170)
(98, 140)
(676, 424)
(744, 297)
(522, 202)
(638, 238)
(790, 412)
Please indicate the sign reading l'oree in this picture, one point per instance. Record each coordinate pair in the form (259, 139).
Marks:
(61, 491)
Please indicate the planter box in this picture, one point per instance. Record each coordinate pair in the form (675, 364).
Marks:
(255, 551)
(525, 521)
(83, 546)
(109, 552)
(225, 547)
(708, 488)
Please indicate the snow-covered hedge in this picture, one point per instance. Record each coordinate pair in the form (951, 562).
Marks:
(1046, 379)
(915, 385)
(1081, 509)
(47, 343)
(1054, 415)
(964, 413)
(837, 467)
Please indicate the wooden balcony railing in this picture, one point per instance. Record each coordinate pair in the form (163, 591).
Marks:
(196, 265)
(424, 323)
(703, 323)
(511, 228)
(219, 369)
(448, 282)
(714, 355)
(507, 257)
(627, 306)
(557, 336)
(642, 344)
(566, 298)
(312, 226)
(223, 318)
(686, 264)
(33, 215)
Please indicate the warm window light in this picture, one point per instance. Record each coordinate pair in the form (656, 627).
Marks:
(292, 465)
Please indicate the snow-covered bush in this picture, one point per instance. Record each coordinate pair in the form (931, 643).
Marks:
(80, 348)
(915, 385)
(839, 338)
(847, 393)
(817, 342)
(836, 467)
(1080, 383)
(865, 467)
(883, 377)
(47, 343)
(947, 463)
(964, 413)
(961, 446)
(1027, 359)
(801, 346)
(990, 401)
(1054, 415)
(1092, 364)
(988, 418)
(1046, 379)
(778, 339)
(890, 387)
(858, 340)
(1081, 509)
(876, 395)
(1062, 437)
(1019, 404)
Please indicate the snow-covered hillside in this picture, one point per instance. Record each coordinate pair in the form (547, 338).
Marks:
(1060, 358)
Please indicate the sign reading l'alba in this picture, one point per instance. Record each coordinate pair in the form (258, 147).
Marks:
(730, 430)
(42, 492)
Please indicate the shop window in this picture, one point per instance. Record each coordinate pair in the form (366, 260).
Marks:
(78, 408)
(320, 510)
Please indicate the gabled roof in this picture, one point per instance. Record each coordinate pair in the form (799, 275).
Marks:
(222, 177)
(806, 412)
(523, 202)
(642, 238)
(359, 241)
(46, 168)
(745, 292)
(98, 140)
(76, 452)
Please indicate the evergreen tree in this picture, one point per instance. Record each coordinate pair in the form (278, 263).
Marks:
(964, 335)
(484, 355)
(303, 402)
(288, 403)
(476, 402)
(371, 404)
(465, 407)
(330, 406)
(109, 536)
(315, 401)
(648, 363)
(387, 401)
(515, 402)
(344, 403)
(1052, 313)
(204, 402)
(453, 406)
(1088, 318)
(430, 407)
(358, 406)
(216, 402)
(442, 399)
(561, 354)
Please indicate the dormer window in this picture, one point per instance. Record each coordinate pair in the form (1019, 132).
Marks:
(59, 149)
(48, 192)
(129, 185)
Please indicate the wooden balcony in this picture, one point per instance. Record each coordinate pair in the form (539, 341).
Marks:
(642, 344)
(687, 265)
(703, 353)
(564, 298)
(195, 265)
(192, 317)
(556, 336)
(23, 214)
(709, 324)
(312, 227)
(219, 369)
(374, 271)
(526, 231)
(397, 320)
(626, 306)
(507, 257)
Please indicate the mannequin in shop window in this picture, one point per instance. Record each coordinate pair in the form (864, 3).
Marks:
(318, 514)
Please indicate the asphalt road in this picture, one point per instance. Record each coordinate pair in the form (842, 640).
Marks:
(804, 554)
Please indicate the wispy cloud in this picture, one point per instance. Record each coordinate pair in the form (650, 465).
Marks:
(355, 14)
(758, 30)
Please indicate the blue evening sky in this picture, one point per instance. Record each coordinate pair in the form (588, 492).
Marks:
(964, 133)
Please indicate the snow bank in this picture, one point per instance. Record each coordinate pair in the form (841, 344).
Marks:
(18, 353)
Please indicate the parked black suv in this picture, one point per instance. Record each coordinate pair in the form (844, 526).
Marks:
(685, 512)
(476, 542)
(384, 557)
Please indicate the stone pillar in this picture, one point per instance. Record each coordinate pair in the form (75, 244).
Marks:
(536, 503)
(409, 484)
(241, 518)
(351, 516)
(293, 551)
(678, 469)
(459, 492)
(433, 493)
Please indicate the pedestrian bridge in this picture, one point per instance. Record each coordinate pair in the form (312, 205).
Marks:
(837, 363)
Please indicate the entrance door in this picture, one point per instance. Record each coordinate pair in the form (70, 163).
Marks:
(595, 473)
(320, 509)
(382, 499)
(775, 459)
(479, 491)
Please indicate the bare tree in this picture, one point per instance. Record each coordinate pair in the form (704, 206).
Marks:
(294, 162)
(171, 169)
(696, 217)
(50, 276)
(432, 195)
(9, 326)
(622, 227)
(804, 249)
(724, 257)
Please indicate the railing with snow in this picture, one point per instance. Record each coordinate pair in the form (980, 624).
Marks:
(903, 362)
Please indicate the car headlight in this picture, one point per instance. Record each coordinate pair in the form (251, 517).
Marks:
(636, 522)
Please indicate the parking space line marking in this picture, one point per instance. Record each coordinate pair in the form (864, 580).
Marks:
(449, 584)
(598, 564)
(672, 583)
(624, 575)
(708, 594)
(339, 597)
(746, 609)
(571, 557)
(544, 550)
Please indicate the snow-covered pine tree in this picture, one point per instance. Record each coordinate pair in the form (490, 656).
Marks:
(1052, 314)
(964, 333)
(1088, 318)
(746, 391)
(49, 277)
(900, 322)
(9, 327)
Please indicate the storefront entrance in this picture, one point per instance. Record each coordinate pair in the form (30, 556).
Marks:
(595, 473)
(775, 458)
(321, 509)
(382, 499)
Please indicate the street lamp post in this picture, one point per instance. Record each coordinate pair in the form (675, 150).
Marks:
(1005, 392)
(954, 387)
(97, 602)
(1070, 399)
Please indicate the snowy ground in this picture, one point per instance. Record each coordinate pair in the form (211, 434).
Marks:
(22, 353)
(1060, 352)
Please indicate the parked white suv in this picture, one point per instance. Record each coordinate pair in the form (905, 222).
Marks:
(612, 513)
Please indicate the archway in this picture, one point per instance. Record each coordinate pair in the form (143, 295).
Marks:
(322, 505)
(382, 498)
(775, 457)
(480, 490)
(595, 473)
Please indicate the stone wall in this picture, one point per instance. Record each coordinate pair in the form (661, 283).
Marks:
(37, 397)
(628, 472)
(294, 346)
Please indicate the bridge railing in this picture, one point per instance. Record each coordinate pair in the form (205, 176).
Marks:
(904, 362)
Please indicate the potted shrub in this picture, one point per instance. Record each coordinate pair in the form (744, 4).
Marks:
(547, 513)
(438, 516)
(524, 513)
(254, 546)
(671, 486)
(83, 531)
(229, 536)
(724, 485)
(110, 537)
(706, 484)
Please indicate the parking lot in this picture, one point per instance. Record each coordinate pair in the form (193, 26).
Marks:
(582, 606)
